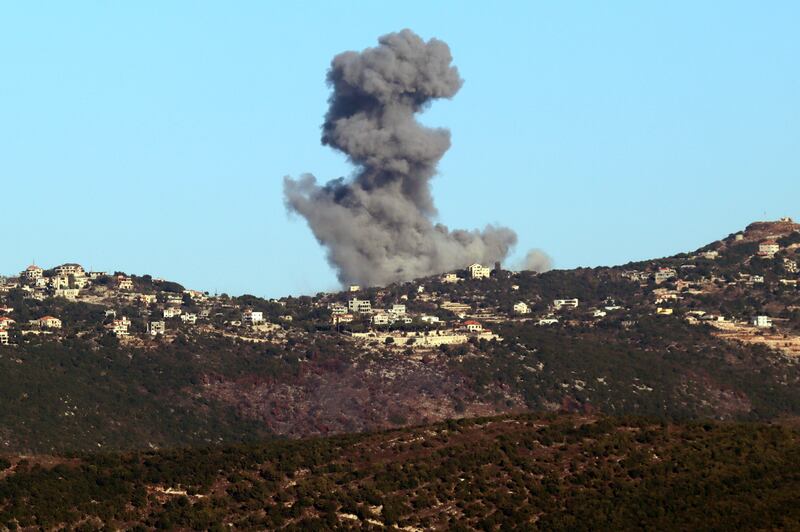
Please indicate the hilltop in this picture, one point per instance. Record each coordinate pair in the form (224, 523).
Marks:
(98, 360)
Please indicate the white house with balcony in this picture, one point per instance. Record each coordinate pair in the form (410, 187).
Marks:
(362, 306)
(252, 317)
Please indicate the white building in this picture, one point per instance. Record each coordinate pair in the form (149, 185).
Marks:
(664, 274)
(341, 318)
(32, 273)
(354, 288)
(762, 321)
(359, 305)
(189, 318)
(449, 278)
(124, 283)
(473, 326)
(429, 319)
(3, 337)
(398, 310)
(147, 299)
(119, 327)
(521, 308)
(336, 308)
(768, 248)
(380, 319)
(558, 304)
(59, 281)
(196, 295)
(66, 293)
(156, 327)
(174, 300)
(70, 269)
(478, 271)
(252, 317)
(49, 322)
(171, 312)
(547, 321)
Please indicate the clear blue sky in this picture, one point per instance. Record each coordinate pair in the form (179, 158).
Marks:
(152, 137)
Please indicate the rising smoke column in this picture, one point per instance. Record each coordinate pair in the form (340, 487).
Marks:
(378, 226)
(536, 260)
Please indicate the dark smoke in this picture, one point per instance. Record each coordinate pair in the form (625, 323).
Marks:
(378, 227)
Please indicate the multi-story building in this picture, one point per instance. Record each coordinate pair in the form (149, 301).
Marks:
(119, 327)
(49, 322)
(359, 305)
(172, 312)
(66, 293)
(146, 299)
(449, 278)
(341, 318)
(336, 309)
(521, 308)
(32, 273)
(664, 274)
(478, 271)
(124, 283)
(59, 281)
(380, 319)
(768, 248)
(252, 317)
(156, 327)
(70, 269)
(175, 300)
(189, 318)
(762, 321)
(3, 337)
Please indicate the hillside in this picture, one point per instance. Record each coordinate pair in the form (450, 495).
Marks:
(509, 473)
(114, 361)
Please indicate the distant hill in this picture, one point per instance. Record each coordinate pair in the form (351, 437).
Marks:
(116, 361)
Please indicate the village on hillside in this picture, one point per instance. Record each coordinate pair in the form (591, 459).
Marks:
(743, 287)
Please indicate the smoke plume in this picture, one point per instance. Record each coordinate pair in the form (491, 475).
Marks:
(378, 226)
(536, 260)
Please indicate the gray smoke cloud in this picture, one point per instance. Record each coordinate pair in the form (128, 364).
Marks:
(378, 227)
(536, 260)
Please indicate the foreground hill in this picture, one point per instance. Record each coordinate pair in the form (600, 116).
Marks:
(522, 472)
(100, 361)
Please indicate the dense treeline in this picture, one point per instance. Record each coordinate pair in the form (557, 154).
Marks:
(524, 472)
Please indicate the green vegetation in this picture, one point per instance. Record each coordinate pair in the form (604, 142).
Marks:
(523, 472)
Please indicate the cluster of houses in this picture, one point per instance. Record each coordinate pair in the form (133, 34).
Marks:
(70, 281)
